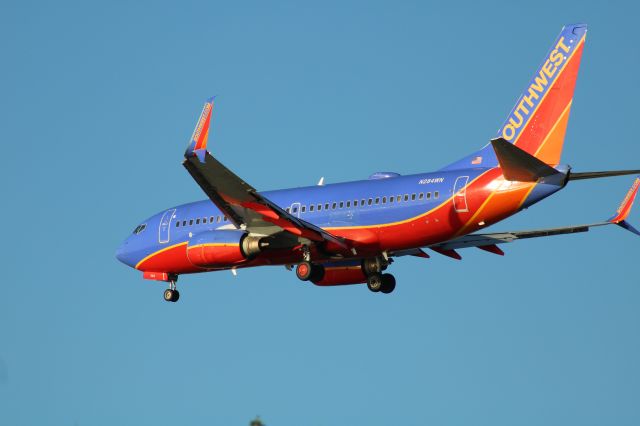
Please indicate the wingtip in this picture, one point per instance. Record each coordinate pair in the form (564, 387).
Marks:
(627, 203)
(200, 136)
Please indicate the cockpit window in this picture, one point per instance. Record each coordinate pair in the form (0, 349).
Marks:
(140, 228)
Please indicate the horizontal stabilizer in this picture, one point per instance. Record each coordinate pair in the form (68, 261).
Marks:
(596, 175)
(519, 165)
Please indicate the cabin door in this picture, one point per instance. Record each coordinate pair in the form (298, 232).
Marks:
(295, 209)
(165, 226)
(460, 194)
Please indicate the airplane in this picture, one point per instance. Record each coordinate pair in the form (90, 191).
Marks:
(351, 232)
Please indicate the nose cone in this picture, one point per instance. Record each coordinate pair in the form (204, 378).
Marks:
(124, 255)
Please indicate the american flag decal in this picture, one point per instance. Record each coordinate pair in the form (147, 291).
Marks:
(476, 160)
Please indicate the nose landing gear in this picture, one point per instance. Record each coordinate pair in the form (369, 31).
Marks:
(172, 294)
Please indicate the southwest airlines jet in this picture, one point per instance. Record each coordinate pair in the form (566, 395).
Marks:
(351, 232)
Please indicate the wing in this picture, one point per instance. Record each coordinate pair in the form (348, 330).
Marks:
(241, 202)
(484, 240)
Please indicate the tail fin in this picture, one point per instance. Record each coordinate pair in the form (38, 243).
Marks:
(538, 121)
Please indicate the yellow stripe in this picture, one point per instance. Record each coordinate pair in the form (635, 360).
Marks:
(158, 252)
(383, 225)
(466, 225)
(214, 245)
(554, 127)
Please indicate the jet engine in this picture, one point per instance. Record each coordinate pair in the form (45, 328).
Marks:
(223, 247)
(342, 273)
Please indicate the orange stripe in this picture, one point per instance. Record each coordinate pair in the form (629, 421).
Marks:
(158, 252)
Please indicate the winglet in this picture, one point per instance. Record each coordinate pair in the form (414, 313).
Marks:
(198, 143)
(625, 208)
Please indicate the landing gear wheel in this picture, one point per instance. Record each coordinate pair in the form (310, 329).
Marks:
(304, 271)
(374, 282)
(171, 295)
(307, 271)
(388, 283)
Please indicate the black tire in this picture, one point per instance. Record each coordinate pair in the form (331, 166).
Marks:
(388, 283)
(168, 295)
(374, 282)
(304, 271)
(317, 274)
(176, 296)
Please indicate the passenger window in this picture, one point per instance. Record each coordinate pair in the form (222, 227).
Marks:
(190, 222)
(311, 206)
(341, 204)
(319, 207)
(198, 221)
(178, 224)
(288, 209)
(204, 220)
(211, 219)
(370, 201)
(295, 210)
(333, 206)
(406, 197)
(218, 218)
(355, 203)
(377, 200)
(348, 204)
(391, 199)
(420, 196)
(428, 195)
(224, 218)
(303, 209)
(184, 223)
(436, 194)
(384, 200)
(362, 203)
(413, 197)
(399, 198)
(326, 206)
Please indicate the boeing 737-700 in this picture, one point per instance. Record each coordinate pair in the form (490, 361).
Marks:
(351, 232)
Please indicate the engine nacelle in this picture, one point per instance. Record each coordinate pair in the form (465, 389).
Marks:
(342, 273)
(223, 247)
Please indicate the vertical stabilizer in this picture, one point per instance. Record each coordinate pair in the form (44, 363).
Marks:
(538, 121)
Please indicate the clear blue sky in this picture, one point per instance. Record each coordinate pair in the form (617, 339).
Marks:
(98, 100)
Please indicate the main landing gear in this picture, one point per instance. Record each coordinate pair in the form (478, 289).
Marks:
(307, 271)
(384, 283)
(172, 294)
(376, 280)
